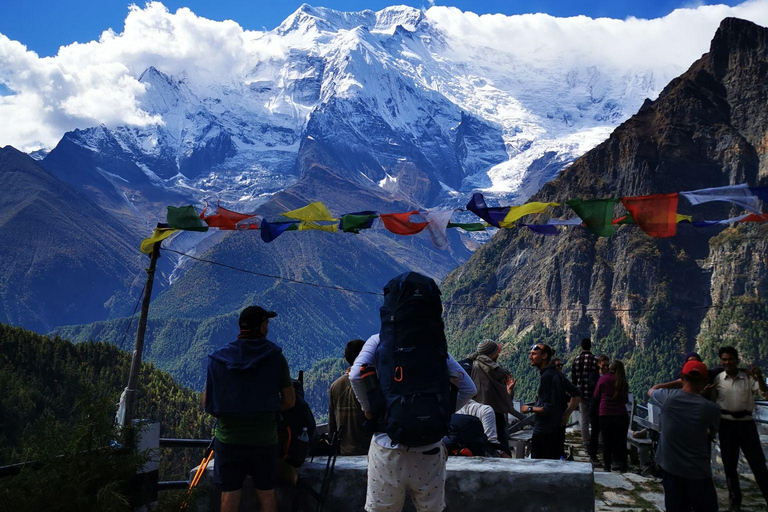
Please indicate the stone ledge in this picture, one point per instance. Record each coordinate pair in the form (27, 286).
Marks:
(496, 485)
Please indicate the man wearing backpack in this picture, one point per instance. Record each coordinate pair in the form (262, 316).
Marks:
(414, 371)
(248, 384)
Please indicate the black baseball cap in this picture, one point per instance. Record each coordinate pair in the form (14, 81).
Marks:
(253, 316)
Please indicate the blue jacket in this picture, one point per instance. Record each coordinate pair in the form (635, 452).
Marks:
(243, 378)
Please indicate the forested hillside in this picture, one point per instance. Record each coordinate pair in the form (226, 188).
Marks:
(48, 382)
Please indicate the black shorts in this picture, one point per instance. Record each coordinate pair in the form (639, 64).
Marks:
(233, 462)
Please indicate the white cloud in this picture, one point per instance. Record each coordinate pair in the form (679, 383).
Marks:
(674, 40)
(97, 82)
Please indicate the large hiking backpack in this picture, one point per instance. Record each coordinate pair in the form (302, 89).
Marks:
(466, 431)
(413, 369)
(298, 430)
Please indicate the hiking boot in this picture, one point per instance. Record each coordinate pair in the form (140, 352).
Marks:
(607, 469)
(594, 460)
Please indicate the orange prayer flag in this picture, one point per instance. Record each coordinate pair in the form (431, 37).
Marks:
(655, 214)
(400, 223)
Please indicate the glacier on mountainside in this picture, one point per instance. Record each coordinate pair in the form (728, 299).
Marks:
(393, 97)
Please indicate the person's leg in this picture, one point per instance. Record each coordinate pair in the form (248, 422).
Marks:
(620, 449)
(427, 479)
(386, 476)
(230, 501)
(501, 430)
(674, 495)
(584, 417)
(594, 434)
(263, 469)
(729, 451)
(607, 431)
(753, 452)
(229, 471)
(701, 495)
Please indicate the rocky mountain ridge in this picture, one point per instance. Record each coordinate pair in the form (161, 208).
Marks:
(708, 128)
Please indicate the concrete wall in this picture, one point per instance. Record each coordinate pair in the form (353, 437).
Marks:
(473, 484)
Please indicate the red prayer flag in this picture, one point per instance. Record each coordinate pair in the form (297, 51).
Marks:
(655, 214)
(755, 217)
(400, 223)
(227, 219)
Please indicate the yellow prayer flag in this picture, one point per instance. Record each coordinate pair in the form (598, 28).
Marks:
(159, 235)
(311, 213)
(681, 218)
(307, 226)
(515, 212)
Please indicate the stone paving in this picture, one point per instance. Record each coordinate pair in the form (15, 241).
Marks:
(631, 491)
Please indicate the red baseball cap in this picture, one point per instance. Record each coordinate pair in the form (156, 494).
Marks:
(695, 369)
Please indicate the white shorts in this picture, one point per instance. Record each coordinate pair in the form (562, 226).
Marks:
(393, 470)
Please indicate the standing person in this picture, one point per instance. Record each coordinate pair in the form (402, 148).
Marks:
(549, 405)
(688, 426)
(414, 371)
(603, 364)
(585, 373)
(571, 399)
(735, 390)
(495, 386)
(248, 383)
(611, 396)
(344, 409)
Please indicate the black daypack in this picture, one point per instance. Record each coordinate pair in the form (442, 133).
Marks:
(298, 430)
(413, 369)
(466, 431)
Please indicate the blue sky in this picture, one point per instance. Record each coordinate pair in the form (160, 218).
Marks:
(44, 25)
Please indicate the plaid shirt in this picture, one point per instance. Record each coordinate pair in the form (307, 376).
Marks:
(583, 366)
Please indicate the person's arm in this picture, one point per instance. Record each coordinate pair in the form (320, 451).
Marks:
(204, 395)
(367, 356)
(674, 384)
(759, 387)
(466, 386)
(658, 396)
(573, 403)
(546, 396)
(287, 394)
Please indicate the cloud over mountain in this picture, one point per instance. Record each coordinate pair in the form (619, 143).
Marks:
(97, 82)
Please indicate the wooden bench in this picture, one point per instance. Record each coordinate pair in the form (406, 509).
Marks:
(641, 450)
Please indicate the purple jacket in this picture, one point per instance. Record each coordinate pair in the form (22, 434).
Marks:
(609, 406)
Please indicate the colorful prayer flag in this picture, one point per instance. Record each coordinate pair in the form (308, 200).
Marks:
(186, 218)
(437, 222)
(158, 235)
(597, 214)
(467, 226)
(229, 220)
(400, 223)
(313, 212)
(492, 215)
(655, 214)
(542, 229)
(515, 212)
(740, 195)
(314, 226)
(354, 222)
(272, 230)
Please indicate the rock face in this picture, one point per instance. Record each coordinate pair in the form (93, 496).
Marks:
(708, 128)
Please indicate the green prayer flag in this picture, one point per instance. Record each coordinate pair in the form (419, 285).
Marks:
(597, 214)
(186, 218)
(471, 226)
(353, 223)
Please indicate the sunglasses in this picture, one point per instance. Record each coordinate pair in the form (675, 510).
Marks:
(559, 365)
(536, 347)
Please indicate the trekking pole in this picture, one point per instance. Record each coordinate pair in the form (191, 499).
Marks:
(207, 456)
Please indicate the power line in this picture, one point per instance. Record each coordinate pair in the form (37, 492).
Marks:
(125, 334)
(461, 304)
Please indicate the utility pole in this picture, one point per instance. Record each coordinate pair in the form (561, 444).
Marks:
(130, 395)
